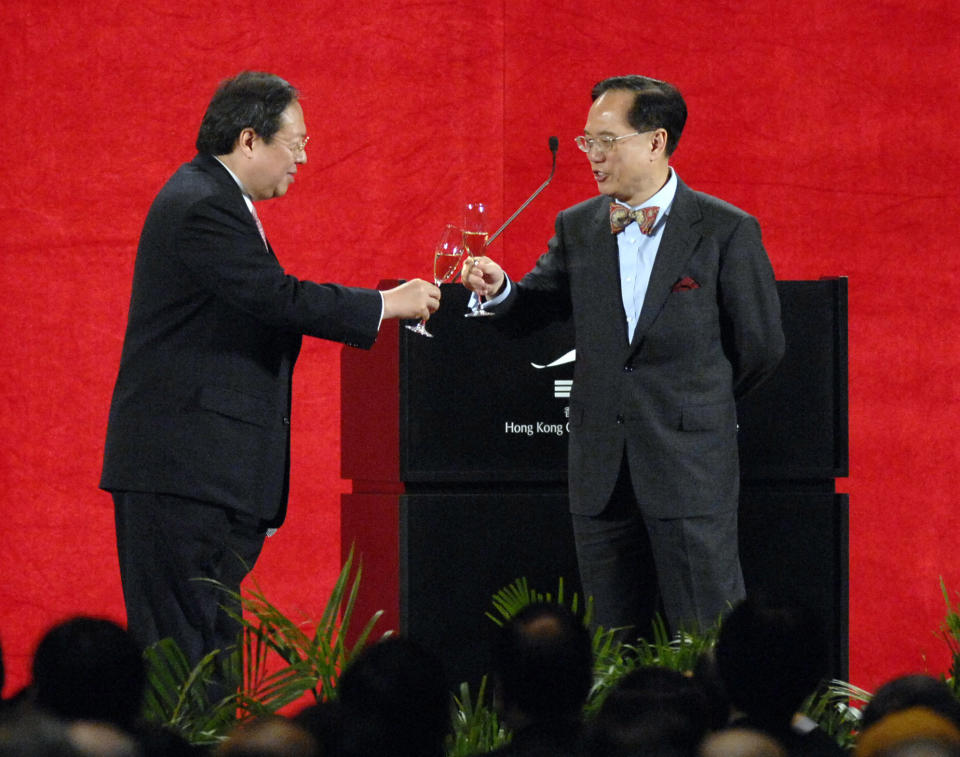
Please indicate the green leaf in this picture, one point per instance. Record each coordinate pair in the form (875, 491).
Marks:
(476, 727)
(311, 657)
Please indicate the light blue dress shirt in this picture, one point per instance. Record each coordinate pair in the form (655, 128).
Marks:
(638, 252)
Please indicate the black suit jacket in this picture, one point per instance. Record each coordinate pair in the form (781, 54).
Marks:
(668, 398)
(201, 407)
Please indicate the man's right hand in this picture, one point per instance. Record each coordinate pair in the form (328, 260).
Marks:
(483, 276)
(412, 299)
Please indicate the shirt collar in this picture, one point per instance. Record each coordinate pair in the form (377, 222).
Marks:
(246, 195)
(663, 199)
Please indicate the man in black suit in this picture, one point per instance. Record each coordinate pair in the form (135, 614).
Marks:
(198, 439)
(676, 317)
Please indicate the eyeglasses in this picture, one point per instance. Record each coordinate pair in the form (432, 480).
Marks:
(603, 144)
(298, 147)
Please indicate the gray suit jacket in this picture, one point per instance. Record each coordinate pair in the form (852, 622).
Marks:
(201, 407)
(667, 399)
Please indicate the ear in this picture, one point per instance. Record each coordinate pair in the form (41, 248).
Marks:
(658, 143)
(245, 140)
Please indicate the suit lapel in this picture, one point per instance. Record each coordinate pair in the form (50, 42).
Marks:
(680, 238)
(606, 261)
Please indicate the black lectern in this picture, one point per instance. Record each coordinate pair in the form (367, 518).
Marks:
(456, 448)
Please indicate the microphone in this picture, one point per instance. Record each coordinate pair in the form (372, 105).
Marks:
(554, 145)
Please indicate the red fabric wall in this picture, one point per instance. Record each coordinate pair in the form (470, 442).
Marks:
(834, 123)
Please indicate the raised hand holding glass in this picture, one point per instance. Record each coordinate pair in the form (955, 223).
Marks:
(446, 262)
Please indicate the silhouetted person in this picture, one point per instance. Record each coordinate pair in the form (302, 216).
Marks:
(911, 732)
(543, 666)
(393, 700)
(907, 691)
(269, 737)
(322, 721)
(718, 703)
(651, 711)
(89, 669)
(741, 742)
(99, 739)
(771, 658)
(27, 732)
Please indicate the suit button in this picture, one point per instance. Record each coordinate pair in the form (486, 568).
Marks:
(619, 420)
(286, 421)
(628, 368)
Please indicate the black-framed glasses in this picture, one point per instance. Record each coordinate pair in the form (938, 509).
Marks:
(603, 144)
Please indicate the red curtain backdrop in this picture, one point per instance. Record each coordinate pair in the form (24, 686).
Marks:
(834, 123)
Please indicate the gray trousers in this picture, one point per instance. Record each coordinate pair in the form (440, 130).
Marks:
(633, 566)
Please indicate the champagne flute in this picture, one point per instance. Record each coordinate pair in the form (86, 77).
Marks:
(475, 240)
(446, 264)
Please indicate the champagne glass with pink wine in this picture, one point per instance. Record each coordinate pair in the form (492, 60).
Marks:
(446, 264)
(475, 235)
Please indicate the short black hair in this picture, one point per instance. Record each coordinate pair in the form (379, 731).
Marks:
(251, 99)
(394, 699)
(771, 655)
(904, 692)
(656, 105)
(544, 662)
(654, 690)
(89, 669)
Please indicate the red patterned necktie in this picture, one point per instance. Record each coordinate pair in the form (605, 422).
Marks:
(621, 217)
(256, 220)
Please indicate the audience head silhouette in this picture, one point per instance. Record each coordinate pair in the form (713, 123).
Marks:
(393, 699)
(917, 690)
(543, 664)
(741, 742)
(89, 669)
(269, 737)
(770, 657)
(651, 711)
(911, 732)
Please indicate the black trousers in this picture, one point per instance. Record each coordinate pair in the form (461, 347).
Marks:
(165, 543)
(634, 566)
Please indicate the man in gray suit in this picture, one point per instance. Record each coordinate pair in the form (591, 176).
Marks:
(198, 440)
(676, 317)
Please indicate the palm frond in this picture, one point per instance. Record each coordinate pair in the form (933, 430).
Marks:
(476, 727)
(679, 652)
(178, 694)
(836, 707)
(951, 635)
(314, 653)
(310, 657)
(512, 598)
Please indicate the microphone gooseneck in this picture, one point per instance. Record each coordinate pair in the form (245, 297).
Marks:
(554, 145)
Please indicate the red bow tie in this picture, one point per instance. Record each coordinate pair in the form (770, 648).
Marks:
(621, 217)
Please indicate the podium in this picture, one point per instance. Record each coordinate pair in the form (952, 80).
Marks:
(456, 448)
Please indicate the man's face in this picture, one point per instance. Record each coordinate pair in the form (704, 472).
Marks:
(632, 170)
(275, 162)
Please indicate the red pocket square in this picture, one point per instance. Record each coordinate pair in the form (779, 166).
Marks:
(685, 284)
